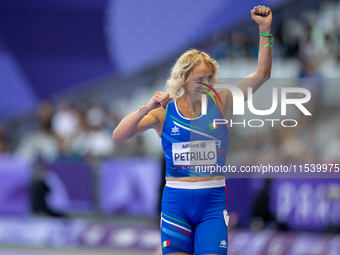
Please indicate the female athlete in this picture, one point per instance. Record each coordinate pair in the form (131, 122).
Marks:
(194, 216)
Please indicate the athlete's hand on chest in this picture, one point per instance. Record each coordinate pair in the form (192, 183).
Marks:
(160, 99)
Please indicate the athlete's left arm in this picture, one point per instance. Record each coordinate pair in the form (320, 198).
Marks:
(262, 15)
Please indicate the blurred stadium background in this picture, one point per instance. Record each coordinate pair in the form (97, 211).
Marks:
(70, 70)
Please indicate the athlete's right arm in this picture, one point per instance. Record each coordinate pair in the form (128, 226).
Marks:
(135, 124)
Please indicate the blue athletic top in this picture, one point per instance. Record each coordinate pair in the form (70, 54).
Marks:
(194, 147)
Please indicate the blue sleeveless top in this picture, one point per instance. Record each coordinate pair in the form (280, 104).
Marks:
(194, 147)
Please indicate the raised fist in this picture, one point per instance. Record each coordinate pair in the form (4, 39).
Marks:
(262, 15)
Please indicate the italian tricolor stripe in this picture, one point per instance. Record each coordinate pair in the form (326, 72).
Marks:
(166, 243)
(176, 220)
(181, 231)
(211, 126)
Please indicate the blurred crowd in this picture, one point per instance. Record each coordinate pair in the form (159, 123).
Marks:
(306, 43)
(305, 143)
(71, 132)
(291, 145)
(312, 39)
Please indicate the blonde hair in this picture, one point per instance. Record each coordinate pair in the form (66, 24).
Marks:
(180, 72)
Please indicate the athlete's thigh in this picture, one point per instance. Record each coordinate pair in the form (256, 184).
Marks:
(177, 233)
(211, 236)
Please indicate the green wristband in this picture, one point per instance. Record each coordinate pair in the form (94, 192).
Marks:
(271, 38)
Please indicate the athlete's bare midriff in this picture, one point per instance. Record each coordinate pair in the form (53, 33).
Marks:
(195, 179)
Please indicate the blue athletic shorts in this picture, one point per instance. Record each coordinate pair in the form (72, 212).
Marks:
(194, 221)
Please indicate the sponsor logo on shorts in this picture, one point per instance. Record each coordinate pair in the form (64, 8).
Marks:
(223, 244)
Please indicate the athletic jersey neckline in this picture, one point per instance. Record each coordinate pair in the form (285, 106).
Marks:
(180, 114)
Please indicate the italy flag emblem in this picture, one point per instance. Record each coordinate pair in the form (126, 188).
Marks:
(211, 126)
(166, 243)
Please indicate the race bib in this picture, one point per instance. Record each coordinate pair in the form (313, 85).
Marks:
(187, 155)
